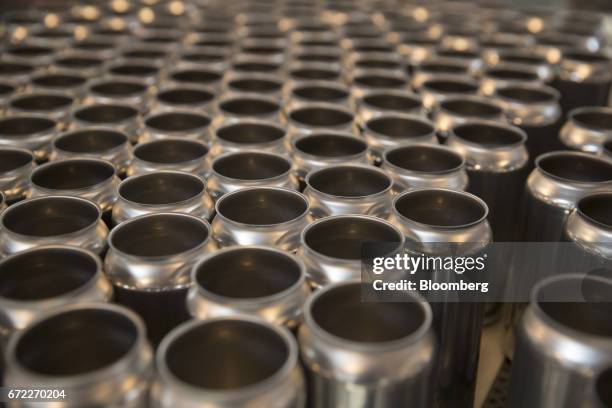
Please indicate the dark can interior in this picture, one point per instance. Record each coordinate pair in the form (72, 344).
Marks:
(262, 206)
(330, 145)
(424, 159)
(23, 126)
(576, 167)
(488, 134)
(72, 174)
(106, 113)
(400, 127)
(161, 188)
(349, 181)
(177, 121)
(13, 159)
(251, 166)
(170, 151)
(90, 141)
(321, 117)
(250, 133)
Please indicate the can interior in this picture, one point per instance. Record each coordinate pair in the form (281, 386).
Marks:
(330, 145)
(45, 273)
(118, 88)
(591, 317)
(161, 188)
(72, 174)
(262, 50)
(468, 107)
(586, 57)
(41, 102)
(262, 206)
(170, 151)
(451, 86)
(250, 133)
(29, 51)
(317, 57)
(380, 81)
(249, 106)
(247, 273)
(76, 342)
(349, 181)
(106, 113)
(159, 235)
(90, 141)
(252, 66)
(597, 208)
(13, 159)
(251, 166)
(136, 70)
(378, 64)
(527, 95)
(393, 102)
(530, 59)
(6, 89)
(25, 125)
(177, 121)
(185, 96)
(12, 68)
(598, 120)
(488, 135)
(79, 62)
(320, 93)
(425, 159)
(511, 74)
(315, 74)
(343, 237)
(202, 57)
(604, 388)
(340, 312)
(226, 355)
(321, 117)
(399, 127)
(255, 85)
(441, 208)
(576, 167)
(197, 76)
(463, 54)
(144, 54)
(57, 80)
(50, 216)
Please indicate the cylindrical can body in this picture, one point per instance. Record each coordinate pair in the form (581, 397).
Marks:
(176, 154)
(236, 361)
(33, 133)
(566, 313)
(587, 129)
(171, 124)
(118, 116)
(249, 134)
(434, 221)
(355, 359)
(15, 175)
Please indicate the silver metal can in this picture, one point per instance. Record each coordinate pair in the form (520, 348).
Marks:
(15, 172)
(74, 85)
(116, 90)
(435, 90)
(50, 105)
(260, 362)
(183, 124)
(177, 154)
(317, 117)
(268, 216)
(348, 349)
(453, 111)
(249, 280)
(249, 134)
(192, 98)
(587, 129)
(379, 103)
(33, 133)
(118, 116)
(317, 91)
(237, 108)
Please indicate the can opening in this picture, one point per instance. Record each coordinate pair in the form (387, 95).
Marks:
(57, 81)
(72, 174)
(393, 102)
(373, 48)
(320, 93)
(255, 85)
(202, 57)
(11, 159)
(319, 43)
(93, 45)
(145, 54)
(248, 273)
(340, 312)
(586, 57)
(213, 43)
(79, 62)
(45, 273)
(462, 54)
(251, 166)
(98, 337)
(603, 387)
(6, 89)
(399, 127)
(29, 51)
(170, 151)
(321, 117)
(441, 208)
(317, 57)
(90, 141)
(177, 121)
(136, 70)
(262, 206)
(441, 68)
(530, 59)
(511, 74)
(185, 96)
(53, 33)
(575, 167)
(591, 317)
(526, 95)
(41, 102)
(161, 188)
(594, 119)
(349, 181)
(425, 159)
(249, 106)
(489, 135)
(342, 237)
(252, 66)
(106, 113)
(25, 126)
(197, 76)
(597, 208)
(262, 50)
(118, 88)
(314, 74)
(226, 355)
(468, 107)
(50, 216)
(380, 81)
(12, 68)
(330, 145)
(159, 235)
(378, 64)
(250, 133)
(451, 86)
